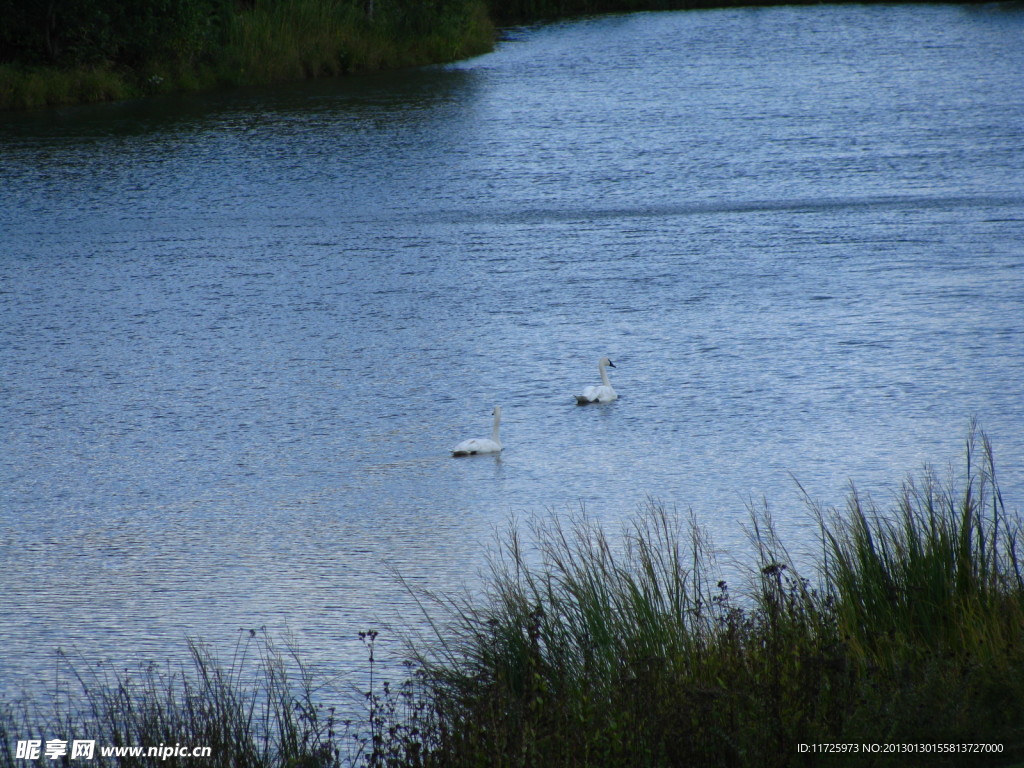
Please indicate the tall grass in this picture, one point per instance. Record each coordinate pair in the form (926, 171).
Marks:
(25, 87)
(310, 38)
(575, 638)
(257, 710)
(940, 572)
(592, 650)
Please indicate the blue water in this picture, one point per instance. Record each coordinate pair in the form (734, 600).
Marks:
(240, 331)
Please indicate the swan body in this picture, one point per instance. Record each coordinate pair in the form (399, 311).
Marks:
(477, 445)
(603, 392)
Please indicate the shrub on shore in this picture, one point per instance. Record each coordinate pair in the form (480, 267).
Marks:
(587, 649)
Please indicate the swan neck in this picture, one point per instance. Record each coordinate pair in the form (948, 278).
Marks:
(604, 375)
(497, 423)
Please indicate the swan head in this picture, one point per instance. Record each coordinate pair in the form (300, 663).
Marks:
(496, 413)
(604, 361)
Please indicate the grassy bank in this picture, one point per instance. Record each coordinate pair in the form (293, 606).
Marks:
(79, 51)
(588, 649)
(88, 51)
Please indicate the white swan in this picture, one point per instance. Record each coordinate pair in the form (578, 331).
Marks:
(481, 445)
(602, 393)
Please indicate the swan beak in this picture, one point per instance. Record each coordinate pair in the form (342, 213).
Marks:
(611, 364)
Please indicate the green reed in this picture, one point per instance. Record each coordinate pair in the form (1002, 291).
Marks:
(259, 709)
(310, 38)
(588, 649)
(941, 571)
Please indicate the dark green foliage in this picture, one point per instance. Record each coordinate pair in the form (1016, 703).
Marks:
(125, 33)
(133, 33)
(418, 17)
(62, 51)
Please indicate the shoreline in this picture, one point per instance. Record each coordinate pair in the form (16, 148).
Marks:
(312, 39)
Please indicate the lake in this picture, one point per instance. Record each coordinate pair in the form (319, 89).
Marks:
(242, 330)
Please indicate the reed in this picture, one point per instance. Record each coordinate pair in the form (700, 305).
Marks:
(940, 572)
(256, 710)
(595, 650)
(297, 39)
(589, 650)
(304, 38)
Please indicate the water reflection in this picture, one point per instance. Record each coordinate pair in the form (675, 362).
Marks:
(364, 100)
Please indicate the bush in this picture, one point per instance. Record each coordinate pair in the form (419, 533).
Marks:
(120, 33)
